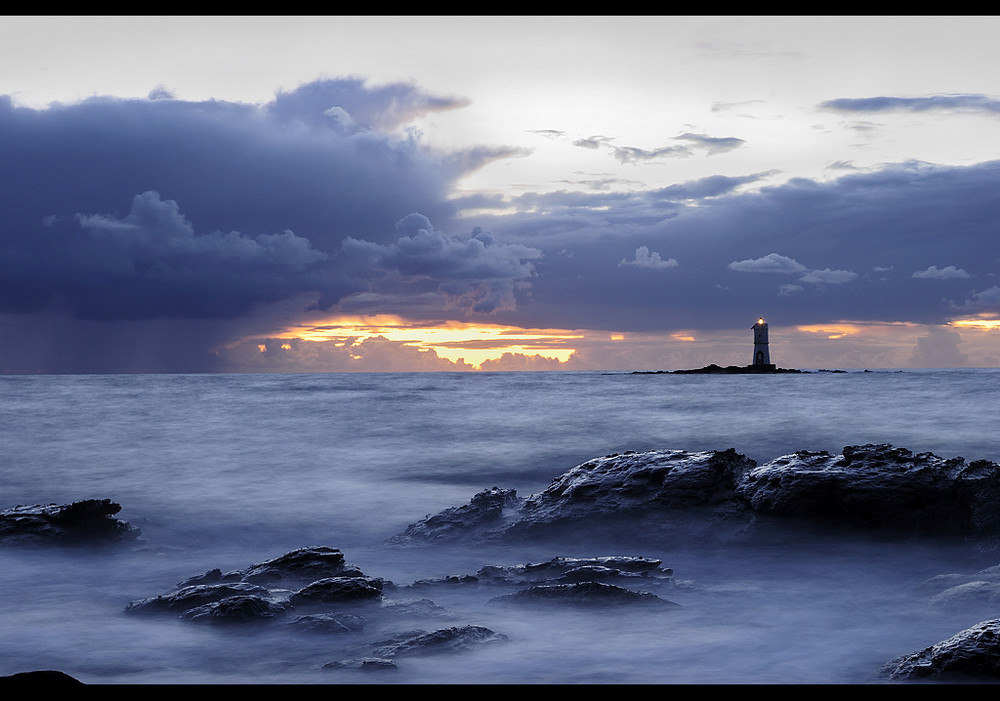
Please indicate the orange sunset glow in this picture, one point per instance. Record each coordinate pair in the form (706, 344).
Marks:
(473, 342)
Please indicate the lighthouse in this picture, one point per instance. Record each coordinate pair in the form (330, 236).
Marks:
(761, 355)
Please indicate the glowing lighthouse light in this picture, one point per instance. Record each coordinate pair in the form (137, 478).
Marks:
(761, 355)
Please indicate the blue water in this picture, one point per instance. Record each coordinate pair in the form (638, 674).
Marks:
(227, 470)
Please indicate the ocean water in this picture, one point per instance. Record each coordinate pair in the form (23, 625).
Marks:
(228, 470)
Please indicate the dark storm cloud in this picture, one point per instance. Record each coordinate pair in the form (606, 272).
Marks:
(226, 205)
(472, 271)
(962, 102)
(151, 263)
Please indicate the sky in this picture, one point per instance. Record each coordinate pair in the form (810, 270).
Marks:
(483, 193)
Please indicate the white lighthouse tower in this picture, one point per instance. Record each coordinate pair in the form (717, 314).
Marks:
(761, 355)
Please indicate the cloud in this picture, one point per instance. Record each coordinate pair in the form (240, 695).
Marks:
(646, 259)
(473, 271)
(633, 154)
(827, 276)
(967, 102)
(353, 104)
(986, 300)
(949, 272)
(771, 263)
(938, 348)
(712, 144)
(151, 263)
(186, 226)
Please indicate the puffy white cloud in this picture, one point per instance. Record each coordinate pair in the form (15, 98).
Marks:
(771, 263)
(828, 276)
(644, 258)
(949, 272)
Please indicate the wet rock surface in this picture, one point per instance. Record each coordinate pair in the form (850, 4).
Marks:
(419, 642)
(584, 593)
(972, 655)
(878, 487)
(870, 487)
(353, 606)
(83, 522)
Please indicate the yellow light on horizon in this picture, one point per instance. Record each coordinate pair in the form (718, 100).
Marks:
(472, 342)
(832, 331)
(988, 324)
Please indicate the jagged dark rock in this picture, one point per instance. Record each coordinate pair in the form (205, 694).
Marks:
(582, 594)
(302, 565)
(364, 664)
(327, 623)
(83, 522)
(485, 511)
(419, 642)
(873, 487)
(877, 486)
(971, 655)
(338, 590)
(575, 568)
(246, 595)
(648, 487)
(632, 484)
(245, 608)
(188, 597)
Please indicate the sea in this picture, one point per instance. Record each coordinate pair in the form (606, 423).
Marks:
(227, 470)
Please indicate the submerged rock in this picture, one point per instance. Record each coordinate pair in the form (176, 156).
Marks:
(575, 568)
(419, 642)
(583, 593)
(971, 655)
(83, 522)
(364, 664)
(328, 623)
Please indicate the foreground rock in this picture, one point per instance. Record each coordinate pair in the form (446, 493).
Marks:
(972, 655)
(260, 593)
(443, 640)
(586, 593)
(725, 494)
(302, 565)
(879, 487)
(639, 488)
(82, 522)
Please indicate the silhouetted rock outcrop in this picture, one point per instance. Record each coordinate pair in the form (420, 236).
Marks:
(83, 522)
